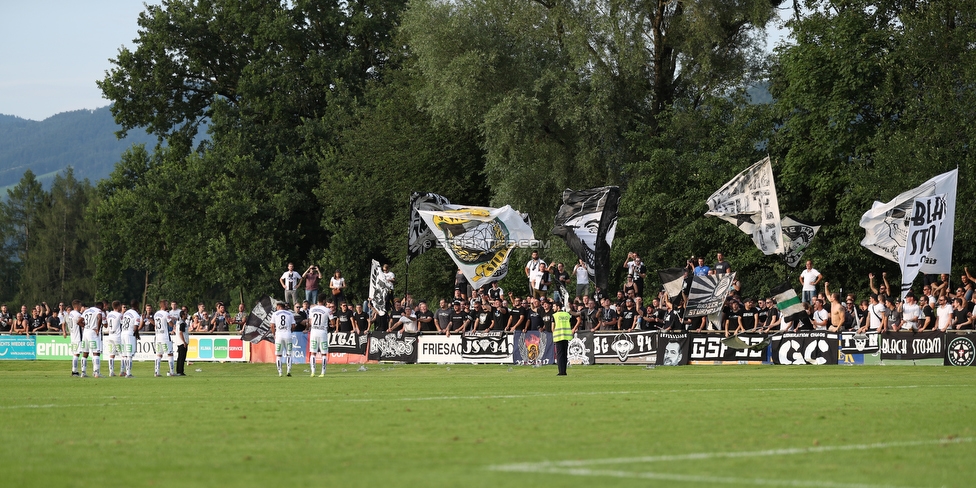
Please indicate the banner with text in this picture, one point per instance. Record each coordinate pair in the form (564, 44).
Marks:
(625, 347)
(494, 346)
(393, 346)
(913, 345)
(854, 343)
(805, 348)
(17, 347)
(348, 342)
(709, 347)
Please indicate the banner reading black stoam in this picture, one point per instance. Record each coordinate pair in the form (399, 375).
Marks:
(258, 324)
(707, 294)
(485, 345)
(624, 347)
(854, 343)
(533, 347)
(672, 349)
(805, 348)
(961, 350)
(710, 348)
(579, 351)
(348, 342)
(913, 345)
(393, 346)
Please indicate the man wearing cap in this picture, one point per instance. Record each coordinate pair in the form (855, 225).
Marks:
(561, 335)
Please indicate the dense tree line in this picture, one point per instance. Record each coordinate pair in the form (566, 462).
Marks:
(323, 117)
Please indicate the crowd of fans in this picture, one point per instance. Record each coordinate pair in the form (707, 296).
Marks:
(938, 306)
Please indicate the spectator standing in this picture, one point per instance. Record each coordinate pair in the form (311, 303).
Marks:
(311, 277)
(425, 318)
(820, 317)
(338, 286)
(910, 313)
(721, 265)
(582, 279)
(240, 318)
(182, 335)
(360, 320)
(561, 335)
(810, 278)
(560, 280)
(289, 282)
(701, 269)
(442, 317)
(6, 319)
(533, 273)
(220, 320)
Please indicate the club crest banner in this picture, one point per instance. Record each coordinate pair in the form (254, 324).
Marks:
(796, 238)
(961, 350)
(480, 239)
(587, 221)
(707, 294)
(533, 347)
(393, 346)
(749, 201)
(579, 351)
(889, 226)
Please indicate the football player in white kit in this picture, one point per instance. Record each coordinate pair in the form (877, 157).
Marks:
(91, 339)
(74, 325)
(129, 325)
(113, 340)
(319, 319)
(282, 321)
(164, 345)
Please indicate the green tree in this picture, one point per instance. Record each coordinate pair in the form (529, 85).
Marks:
(872, 99)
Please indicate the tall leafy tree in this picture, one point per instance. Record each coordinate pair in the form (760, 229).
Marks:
(873, 98)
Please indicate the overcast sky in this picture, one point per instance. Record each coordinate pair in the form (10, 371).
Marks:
(52, 51)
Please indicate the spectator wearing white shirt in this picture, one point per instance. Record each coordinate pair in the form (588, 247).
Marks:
(910, 313)
(810, 278)
(408, 321)
(289, 282)
(582, 279)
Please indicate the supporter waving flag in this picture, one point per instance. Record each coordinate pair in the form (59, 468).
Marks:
(587, 220)
(749, 201)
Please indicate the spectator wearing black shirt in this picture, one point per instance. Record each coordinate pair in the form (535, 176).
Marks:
(482, 316)
(748, 317)
(533, 316)
(360, 320)
(772, 315)
(656, 314)
(608, 316)
(961, 319)
(499, 320)
(732, 319)
(516, 315)
(721, 266)
(459, 320)
(6, 319)
(425, 318)
(628, 316)
(379, 322)
(588, 317)
(546, 314)
(344, 321)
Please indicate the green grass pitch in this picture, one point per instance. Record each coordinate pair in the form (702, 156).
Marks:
(489, 426)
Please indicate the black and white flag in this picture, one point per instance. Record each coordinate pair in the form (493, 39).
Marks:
(707, 294)
(787, 300)
(796, 239)
(673, 280)
(749, 201)
(258, 324)
(419, 237)
(587, 220)
(915, 229)
(379, 288)
(480, 239)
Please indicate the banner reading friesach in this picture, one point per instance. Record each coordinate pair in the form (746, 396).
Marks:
(625, 347)
(440, 349)
(480, 239)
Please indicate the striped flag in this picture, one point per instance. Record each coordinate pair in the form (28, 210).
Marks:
(673, 280)
(787, 301)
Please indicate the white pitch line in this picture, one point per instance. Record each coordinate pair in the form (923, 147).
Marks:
(709, 480)
(577, 467)
(491, 397)
(728, 454)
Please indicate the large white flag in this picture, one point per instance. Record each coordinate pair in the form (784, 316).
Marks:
(479, 239)
(749, 201)
(915, 229)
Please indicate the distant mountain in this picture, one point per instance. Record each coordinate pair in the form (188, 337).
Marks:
(82, 139)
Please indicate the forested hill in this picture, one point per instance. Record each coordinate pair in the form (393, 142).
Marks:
(83, 139)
